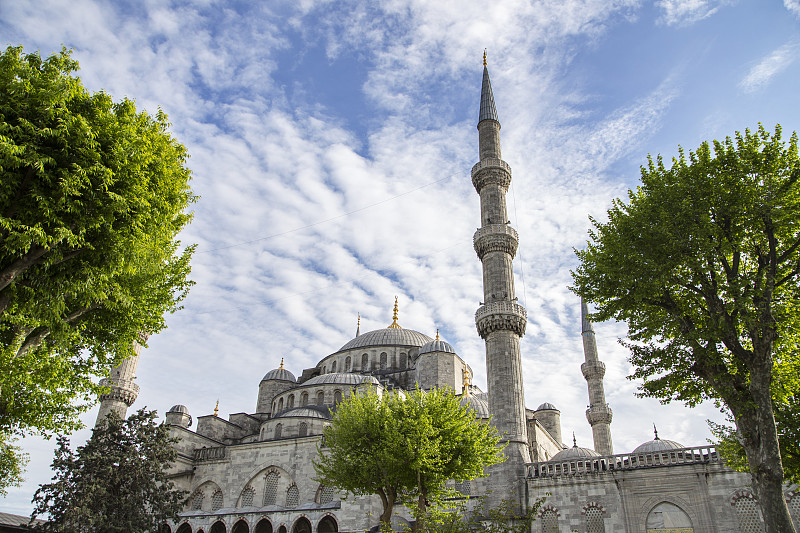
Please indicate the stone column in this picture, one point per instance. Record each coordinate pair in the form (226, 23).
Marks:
(599, 413)
(122, 391)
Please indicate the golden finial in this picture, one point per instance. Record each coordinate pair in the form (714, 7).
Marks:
(437, 334)
(358, 325)
(394, 323)
(216, 409)
(484, 57)
(465, 381)
(281, 362)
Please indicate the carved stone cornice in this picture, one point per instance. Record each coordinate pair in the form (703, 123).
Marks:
(593, 370)
(599, 414)
(124, 390)
(496, 238)
(491, 171)
(501, 316)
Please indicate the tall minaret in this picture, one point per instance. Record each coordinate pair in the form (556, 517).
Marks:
(500, 319)
(122, 390)
(599, 413)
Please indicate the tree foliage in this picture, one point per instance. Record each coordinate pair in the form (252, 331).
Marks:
(702, 263)
(404, 446)
(116, 482)
(92, 196)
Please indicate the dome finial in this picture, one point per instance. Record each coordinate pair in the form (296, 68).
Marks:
(484, 57)
(281, 362)
(655, 430)
(216, 409)
(437, 334)
(574, 440)
(466, 381)
(358, 325)
(394, 324)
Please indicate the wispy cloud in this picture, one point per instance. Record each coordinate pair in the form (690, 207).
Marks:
(793, 6)
(761, 74)
(687, 12)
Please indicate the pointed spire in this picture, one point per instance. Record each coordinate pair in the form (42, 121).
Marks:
(394, 324)
(655, 430)
(281, 367)
(358, 325)
(437, 334)
(586, 324)
(216, 407)
(488, 110)
(574, 440)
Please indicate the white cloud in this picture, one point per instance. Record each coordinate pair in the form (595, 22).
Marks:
(770, 66)
(687, 12)
(793, 6)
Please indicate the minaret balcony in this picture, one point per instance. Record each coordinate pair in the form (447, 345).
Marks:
(501, 316)
(496, 238)
(599, 414)
(491, 171)
(593, 369)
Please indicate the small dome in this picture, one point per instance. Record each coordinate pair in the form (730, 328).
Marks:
(178, 409)
(280, 374)
(576, 452)
(387, 337)
(478, 405)
(305, 412)
(658, 445)
(341, 378)
(547, 406)
(436, 346)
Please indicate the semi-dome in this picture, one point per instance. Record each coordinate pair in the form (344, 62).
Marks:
(304, 412)
(280, 374)
(387, 337)
(478, 405)
(658, 445)
(341, 378)
(436, 346)
(178, 409)
(547, 406)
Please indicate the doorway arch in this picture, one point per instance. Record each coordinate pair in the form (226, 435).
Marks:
(301, 525)
(327, 525)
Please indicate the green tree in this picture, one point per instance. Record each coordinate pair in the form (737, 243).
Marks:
(404, 446)
(92, 197)
(12, 461)
(702, 263)
(116, 482)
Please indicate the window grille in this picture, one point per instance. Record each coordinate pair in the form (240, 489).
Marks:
(594, 520)
(794, 507)
(749, 515)
(197, 501)
(271, 488)
(248, 495)
(292, 497)
(464, 487)
(303, 431)
(549, 521)
(216, 501)
(326, 495)
(365, 362)
(383, 360)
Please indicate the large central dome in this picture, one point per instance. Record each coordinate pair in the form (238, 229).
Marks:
(388, 337)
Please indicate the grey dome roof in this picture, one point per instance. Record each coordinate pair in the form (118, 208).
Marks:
(658, 445)
(547, 406)
(304, 412)
(341, 378)
(387, 337)
(576, 452)
(178, 409)
(437, 346)
(280, 374)
(478, 405)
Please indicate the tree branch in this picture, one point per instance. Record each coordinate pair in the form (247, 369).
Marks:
(19, 266)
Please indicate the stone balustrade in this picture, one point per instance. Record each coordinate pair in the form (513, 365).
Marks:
(502, 315)
(209, 454)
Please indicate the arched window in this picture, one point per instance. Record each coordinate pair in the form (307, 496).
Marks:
(320, 398)
(383, 360)
(197, 501)
(337, 396)
(464, 487)
(325, 369)
(303, 431)
(218, 527)
(304, 399)
(364, 362)
(410, 362)
(240, 527)
(747, 512)
(278, 430)
(347, 363)
(326, 494)
(402, 361)
(333, 367)
(666, 515)
(248, 495)
(549, 518)
(270, 488)
(280, 405)
(216, 501)
(594, 518)
(290, 402)
(264, 526)
(327, 525)
(292, 497)
(302, 525)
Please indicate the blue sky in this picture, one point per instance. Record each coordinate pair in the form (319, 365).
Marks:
(331, 144)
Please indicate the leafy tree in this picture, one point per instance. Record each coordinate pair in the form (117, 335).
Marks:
(404, 446)
(12, 461)
(703, 264)
(116, 482)
(92, 196)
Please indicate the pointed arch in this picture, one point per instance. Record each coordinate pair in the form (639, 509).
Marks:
(248, 497)
(184, 528)
(292, 497)
(271, 488)
(383, 360)
(321, 398)
(593, 512)
(240, 526)
(290, 402)
(278, 430)
(327, 525)
(301, 525)
(217, 501)
(665, 515)
(549, 518)
(264, 526)
(333, 367)
(748, 512)
(347, 363)
(337, 396)
(304, 399)
(364, 362)
(218, 527)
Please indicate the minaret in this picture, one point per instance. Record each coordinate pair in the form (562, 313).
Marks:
(599, 413)
(500, 319)
(122, 390)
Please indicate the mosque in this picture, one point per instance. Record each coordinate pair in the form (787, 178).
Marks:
(252, 472)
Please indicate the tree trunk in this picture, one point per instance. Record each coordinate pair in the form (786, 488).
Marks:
(387, 499)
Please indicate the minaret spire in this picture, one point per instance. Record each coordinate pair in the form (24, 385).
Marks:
(122, 391)
(598, 414)
(500, 319)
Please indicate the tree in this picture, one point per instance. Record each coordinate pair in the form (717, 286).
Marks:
(703, 263)
(92, 196)
(404, 446)
(116, 482)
